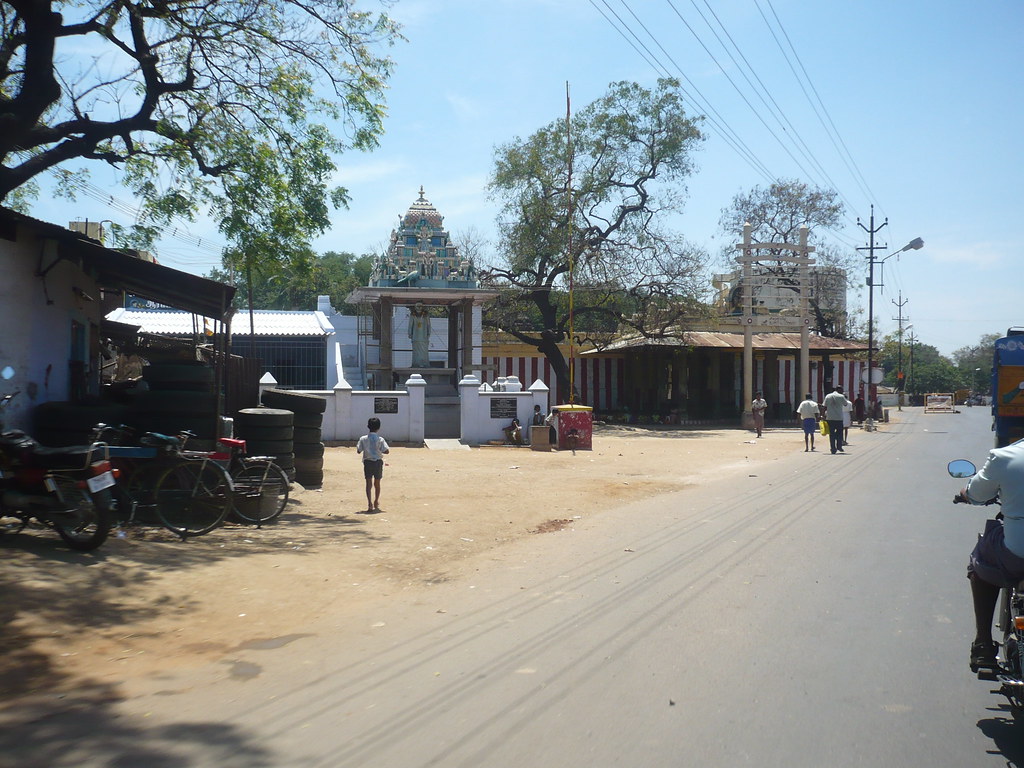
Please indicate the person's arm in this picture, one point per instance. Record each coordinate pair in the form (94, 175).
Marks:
(984, 486)
(359, 445)
(384, 446)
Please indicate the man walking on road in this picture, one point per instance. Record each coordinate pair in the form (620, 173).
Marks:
(835, 404)
(808, 413)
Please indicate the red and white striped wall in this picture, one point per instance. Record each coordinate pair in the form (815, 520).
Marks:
(599, 380)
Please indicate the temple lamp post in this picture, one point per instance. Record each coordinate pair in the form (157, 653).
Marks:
(915, 244)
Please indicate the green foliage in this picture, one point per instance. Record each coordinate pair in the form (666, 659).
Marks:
(590, 209)
(924, 367)
(296, 285)
(222, 105)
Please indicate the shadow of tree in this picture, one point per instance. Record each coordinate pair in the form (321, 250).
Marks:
(86, 730)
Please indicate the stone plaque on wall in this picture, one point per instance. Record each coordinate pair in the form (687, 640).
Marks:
(503, 407)
(385, 405)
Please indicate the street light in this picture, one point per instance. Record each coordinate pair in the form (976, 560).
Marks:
(914, 244)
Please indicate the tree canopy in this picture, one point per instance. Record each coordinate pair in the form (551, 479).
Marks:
(332, 274)
(589, 204)
(776, 213)
(228, 106)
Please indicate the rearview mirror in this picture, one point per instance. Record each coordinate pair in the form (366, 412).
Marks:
(962, 468)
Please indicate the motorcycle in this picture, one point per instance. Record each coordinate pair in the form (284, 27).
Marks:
(1009, 621)
(65, 489)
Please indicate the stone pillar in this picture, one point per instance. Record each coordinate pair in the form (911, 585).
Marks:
(469, 406)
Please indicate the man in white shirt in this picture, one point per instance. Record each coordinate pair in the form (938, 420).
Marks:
(808, 412)
(998, 558)
(835, 403)
(757, 409)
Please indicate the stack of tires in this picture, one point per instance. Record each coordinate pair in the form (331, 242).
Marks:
(63, 424)
(180, 396)
(308, 448)
(268, 432)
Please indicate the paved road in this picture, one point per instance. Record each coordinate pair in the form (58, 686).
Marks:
(816, 614)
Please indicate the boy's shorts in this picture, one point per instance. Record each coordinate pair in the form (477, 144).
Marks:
(373, 469)
(810, 426)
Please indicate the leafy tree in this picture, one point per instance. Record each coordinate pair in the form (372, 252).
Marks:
(333, 274)
(588, 208)
(219, 105)
(926, 369)
(975, 361)
(776, 214)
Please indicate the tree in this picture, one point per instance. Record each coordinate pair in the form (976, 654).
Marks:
(587, 209)
(776, 214)
(218, 105)
(333, 274)
(975, 361)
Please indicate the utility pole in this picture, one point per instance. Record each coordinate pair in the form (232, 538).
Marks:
(871, 248)
(899, 365)
(910, 378)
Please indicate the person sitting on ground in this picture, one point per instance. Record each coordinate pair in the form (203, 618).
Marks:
(513, 433)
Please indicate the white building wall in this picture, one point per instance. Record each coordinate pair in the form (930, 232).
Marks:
(36, 313)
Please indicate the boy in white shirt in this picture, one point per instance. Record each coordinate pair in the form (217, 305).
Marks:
(373, 447)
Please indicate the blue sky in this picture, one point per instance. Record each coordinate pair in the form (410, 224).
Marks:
(921, 99)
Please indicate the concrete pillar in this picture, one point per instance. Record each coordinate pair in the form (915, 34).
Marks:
(469, 407)
(342, 427)
(416, 386)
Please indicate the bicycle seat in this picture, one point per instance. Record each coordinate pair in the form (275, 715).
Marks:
(157, 440)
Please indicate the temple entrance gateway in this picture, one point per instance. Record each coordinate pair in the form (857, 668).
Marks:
(424, 311)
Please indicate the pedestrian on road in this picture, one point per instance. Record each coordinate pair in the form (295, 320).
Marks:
(808, 413)
(757, 408)
(835, 405)
(373, 447)
(847, 418)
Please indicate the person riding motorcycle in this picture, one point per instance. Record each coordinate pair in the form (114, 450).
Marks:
(997, 560)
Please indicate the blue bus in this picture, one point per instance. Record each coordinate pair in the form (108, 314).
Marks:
(1008, 388)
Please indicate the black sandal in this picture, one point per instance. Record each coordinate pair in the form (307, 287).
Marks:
(983, 654)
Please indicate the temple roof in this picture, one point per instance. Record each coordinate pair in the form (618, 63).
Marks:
(422, 209)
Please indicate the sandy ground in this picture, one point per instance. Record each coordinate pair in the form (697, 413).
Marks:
(146, 601)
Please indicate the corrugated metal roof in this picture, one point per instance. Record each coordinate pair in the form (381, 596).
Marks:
(165, 322)
(761, 341)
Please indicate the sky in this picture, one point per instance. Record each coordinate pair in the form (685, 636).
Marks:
(910, 110)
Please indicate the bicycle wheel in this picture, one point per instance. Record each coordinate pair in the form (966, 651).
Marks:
(193, 497)
(261, 491)
(137, 493)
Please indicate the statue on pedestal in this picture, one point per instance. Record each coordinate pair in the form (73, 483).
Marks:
(419, 332)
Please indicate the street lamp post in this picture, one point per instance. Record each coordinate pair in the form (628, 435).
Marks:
(914, 244)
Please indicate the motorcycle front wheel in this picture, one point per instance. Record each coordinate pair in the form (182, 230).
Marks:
(85, 527)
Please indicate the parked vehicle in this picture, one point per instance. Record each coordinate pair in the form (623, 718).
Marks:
(65, 489)
(1009, 622)
(1008, 387)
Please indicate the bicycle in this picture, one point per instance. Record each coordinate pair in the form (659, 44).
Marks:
(188, 492)
(261, 487)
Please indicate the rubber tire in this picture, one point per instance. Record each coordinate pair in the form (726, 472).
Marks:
(261, 433)
(185, 402)
(294, 401)
(308, 465)
(312, 420)
(309, 450)
(309, 479)
(264, 417)
(179, 376)
(268, 447)
(307, 435)
(97, 525)
(245, 501)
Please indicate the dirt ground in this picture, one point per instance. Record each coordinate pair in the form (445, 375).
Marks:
(146, 601)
